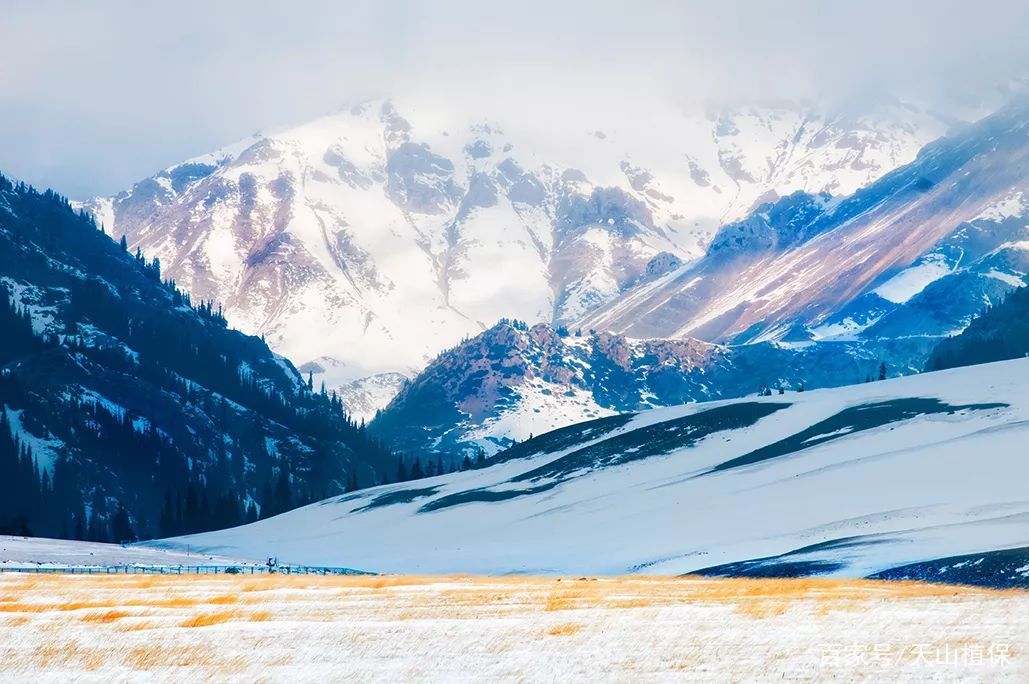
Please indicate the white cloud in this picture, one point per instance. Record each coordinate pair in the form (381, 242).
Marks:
(96, 95)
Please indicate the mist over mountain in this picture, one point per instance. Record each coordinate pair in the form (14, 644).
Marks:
(236, 70)
(364, 243)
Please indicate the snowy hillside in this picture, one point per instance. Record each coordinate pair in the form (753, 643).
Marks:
(366, 242)
(849, 481)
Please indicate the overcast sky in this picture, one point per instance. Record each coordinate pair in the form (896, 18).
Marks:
(96, 95)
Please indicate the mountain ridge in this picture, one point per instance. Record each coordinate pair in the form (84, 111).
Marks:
(785, 264)
(394, 238)
(512, 381)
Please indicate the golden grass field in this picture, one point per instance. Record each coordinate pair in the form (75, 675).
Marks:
(407, 628)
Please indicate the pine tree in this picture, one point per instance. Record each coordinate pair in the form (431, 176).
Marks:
(267, 500)
(166, 524)
(283, 495)
(121, 528)
(352, 482)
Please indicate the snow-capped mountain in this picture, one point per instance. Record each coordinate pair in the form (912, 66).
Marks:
(362, 244)
(512, 381)
(850, 481)
(808, 289)
(918, 252)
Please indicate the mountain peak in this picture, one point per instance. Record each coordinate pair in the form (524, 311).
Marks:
(382, 234)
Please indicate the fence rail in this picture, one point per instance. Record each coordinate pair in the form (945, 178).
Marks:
(186, 570)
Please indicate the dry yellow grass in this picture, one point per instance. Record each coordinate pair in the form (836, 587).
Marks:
(150, 657)
(138, 626)
(23, 607)
(251, 627)
(564, 629)
(106, 616)
(50, 655)
(222, 600)
(208, 619)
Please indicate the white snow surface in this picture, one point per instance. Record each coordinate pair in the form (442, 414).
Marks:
(909, 282)
(931, 486)
(1007, 207)
(45, 450)
(38, 552)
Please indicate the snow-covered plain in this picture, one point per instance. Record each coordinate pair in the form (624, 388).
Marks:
(844, 482)
(373, 629)
(34, 553)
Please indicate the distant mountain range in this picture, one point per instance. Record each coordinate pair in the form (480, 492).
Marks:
(479, 292)
(128, 409)
(378, 250)
(364, 243)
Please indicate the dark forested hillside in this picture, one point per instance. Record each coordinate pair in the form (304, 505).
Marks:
(1001, 332)
(126, 410)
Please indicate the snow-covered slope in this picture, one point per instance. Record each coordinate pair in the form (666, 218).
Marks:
(917, 252)
(368, 241)
(848, 481)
